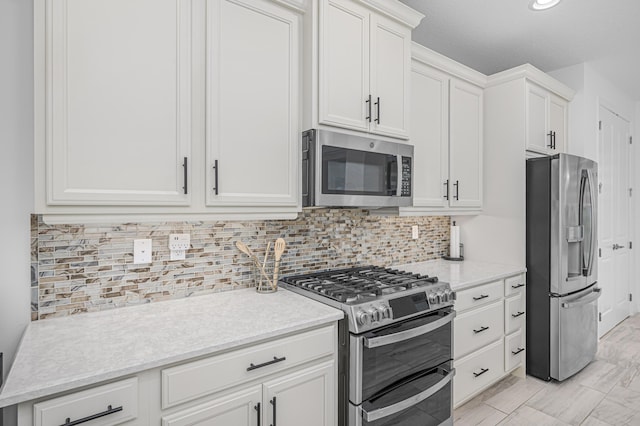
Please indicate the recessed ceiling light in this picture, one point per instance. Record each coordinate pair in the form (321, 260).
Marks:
(542, 4)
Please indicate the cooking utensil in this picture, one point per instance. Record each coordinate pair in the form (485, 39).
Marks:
(278, 249)
(264, 262)
(246, 250)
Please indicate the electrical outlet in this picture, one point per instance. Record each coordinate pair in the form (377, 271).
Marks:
(415, 233)
(179, 241)
(178, 254)
(142, 250)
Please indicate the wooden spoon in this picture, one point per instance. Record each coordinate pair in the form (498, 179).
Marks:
(278, 249)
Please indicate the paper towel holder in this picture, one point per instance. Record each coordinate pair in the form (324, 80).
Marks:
(456, 259)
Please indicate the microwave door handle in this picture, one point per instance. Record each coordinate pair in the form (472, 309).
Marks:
(399, 176)
(380, 413)
(408, 334)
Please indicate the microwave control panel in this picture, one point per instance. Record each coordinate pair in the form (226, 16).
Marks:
(406, 177)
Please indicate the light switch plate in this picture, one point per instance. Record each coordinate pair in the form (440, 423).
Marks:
(415, 234)
(142, 250)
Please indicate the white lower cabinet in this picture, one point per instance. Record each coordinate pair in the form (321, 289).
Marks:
(289, 381)
(489, 335)
(112, 404)
(241, 409)
(302, 397)
(479, 370)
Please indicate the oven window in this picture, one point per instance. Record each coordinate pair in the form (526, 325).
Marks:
(433, 410)
(353, 172)
(384, 365)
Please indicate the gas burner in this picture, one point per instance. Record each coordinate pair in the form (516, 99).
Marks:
(361, 284)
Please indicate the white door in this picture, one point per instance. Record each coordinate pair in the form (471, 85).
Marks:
(252, 103)
(238, 409)
(613, 221)
(306, 397)
(429, 136)
(344, 96)
(537, 138)
(390, 76)
(465, 144)
(558, 122)
(118, 102)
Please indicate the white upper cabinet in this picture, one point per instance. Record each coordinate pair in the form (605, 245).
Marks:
(546, 123)
(167, 107)
(447, 134)
(390, 77)
(117, 120)
(465, 144)
(253, 107)
(430, 135)
(364, 67)
(344, 61)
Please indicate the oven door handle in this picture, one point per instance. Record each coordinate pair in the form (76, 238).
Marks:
(408, 334)
(372, 416)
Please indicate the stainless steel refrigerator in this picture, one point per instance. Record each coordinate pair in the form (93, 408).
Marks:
(562, 265)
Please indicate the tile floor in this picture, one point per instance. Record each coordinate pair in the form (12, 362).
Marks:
(606, 392)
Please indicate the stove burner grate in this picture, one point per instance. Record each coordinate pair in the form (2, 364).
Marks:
(356, 285)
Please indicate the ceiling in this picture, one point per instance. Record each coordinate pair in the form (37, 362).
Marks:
(495, 35)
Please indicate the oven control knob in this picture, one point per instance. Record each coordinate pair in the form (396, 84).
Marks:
(364, 318)
(375, 314)
(433, 299)
(441, 297)
(450, 295)
(386, 312)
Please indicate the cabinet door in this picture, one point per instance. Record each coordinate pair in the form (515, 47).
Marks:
(430, 136)
(238, 409)
(306, 397)
(252, 103)
(538, 139)
(118, 102)
(344, 65)
(465, 144)
(390, 77)
(558, 122)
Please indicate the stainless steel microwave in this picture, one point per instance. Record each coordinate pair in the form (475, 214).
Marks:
(340, 170)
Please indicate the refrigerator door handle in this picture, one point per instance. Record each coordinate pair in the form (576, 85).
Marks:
(595, 295)
(592, 234)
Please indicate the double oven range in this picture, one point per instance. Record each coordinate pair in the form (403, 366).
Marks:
(395, 344)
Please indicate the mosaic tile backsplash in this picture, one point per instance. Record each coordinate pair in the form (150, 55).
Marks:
(85, 268)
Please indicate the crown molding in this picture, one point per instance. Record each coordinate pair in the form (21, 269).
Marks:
(396, 10)
(434, 59)
(533, 74)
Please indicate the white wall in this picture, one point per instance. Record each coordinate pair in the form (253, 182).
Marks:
(16, 172)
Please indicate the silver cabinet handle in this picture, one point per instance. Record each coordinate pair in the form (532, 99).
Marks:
(408, 334)
(593, 296)
(372, 416)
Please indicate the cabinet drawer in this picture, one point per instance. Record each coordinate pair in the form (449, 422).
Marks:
(477, 328)
(478, 370)
(199, 378)
(116, 402)
(514, 285)
(478, 296)
(514, 313)
(514, 350)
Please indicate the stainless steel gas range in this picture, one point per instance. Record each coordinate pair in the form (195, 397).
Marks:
(395, 344)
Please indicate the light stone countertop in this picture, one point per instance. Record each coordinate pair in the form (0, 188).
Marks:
(60, 354)
(465, 274)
